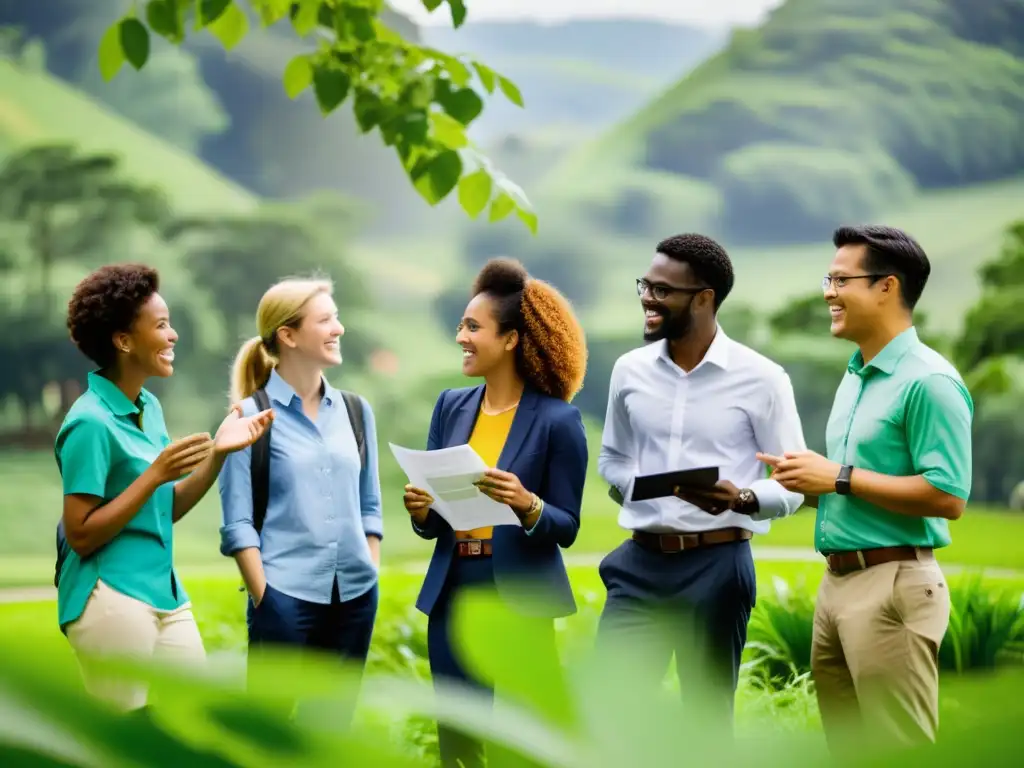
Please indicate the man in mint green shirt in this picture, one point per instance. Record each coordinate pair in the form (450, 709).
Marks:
(898, 470)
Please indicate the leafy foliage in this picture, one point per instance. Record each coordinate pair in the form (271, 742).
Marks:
(590, 712)
(420, 100)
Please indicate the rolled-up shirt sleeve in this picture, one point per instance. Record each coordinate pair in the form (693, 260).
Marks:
(777, 429)
(234, 485)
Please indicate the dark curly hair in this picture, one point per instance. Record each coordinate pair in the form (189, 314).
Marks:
(707, 259)
(105, 302)
(552, 350)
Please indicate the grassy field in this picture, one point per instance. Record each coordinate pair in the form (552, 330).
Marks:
(983, 538)
(36, 108)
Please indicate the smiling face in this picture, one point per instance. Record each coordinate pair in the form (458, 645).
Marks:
(318, 336)
(484, 347)
(669, 298)
(856, 297)
(148, 346)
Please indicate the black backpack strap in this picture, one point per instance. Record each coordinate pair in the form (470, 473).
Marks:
(354, 406)
(259, 466)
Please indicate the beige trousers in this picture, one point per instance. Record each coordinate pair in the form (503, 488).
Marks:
(114, 624)
(874, 654)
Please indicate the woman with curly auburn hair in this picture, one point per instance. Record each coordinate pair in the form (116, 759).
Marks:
(126, 483)
(520, 335)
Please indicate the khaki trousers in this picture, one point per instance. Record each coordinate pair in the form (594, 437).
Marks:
(874, 655)
(114, 624)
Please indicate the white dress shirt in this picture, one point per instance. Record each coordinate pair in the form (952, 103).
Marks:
(660, 418)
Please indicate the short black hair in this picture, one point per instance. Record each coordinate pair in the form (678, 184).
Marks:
(707, 259)
(893, 252)
(105, 302)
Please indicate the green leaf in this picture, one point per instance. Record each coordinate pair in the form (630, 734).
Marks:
(458, 8)
(331, 85)
(211, 10)
(134, 42)
(360, 22)
(432, 5)
(367, 109)
(231, 27)
(448, 130)
(298, 76)
(305, 16)
(487, 76)
(511, 90)
(164, 19)
(272, 11)
(111, 55)
(529, 218)
(463, 104)
(474, 192)
(438, 176)
(501, 207)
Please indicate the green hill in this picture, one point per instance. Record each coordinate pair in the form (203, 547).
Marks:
(36, 108)
(832, 110)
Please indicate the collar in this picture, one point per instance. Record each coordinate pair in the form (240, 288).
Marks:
(886, 360)
(116, 400)
(717, 354)
(280, 390)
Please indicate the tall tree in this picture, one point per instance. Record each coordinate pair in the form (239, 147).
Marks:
(419, 99)
(70, 205)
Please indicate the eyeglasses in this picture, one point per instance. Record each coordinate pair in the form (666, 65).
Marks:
(660, 292)
(840, 281)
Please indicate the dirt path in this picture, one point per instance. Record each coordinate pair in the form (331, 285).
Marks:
(789, 554)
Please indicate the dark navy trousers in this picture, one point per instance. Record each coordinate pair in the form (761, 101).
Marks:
(341, 628)
(695, 604)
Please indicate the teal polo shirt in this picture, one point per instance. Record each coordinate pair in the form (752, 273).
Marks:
(907, 412)
(100, 451)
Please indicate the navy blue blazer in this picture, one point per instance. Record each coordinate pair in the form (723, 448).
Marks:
(546, 449)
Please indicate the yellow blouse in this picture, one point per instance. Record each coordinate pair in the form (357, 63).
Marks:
(488, 438)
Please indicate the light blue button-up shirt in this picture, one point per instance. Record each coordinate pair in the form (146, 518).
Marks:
(321, 504)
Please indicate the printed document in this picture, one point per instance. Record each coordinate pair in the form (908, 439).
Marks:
(448, 475)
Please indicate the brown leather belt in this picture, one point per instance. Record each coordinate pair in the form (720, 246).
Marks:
(473, 547)
(841, 563)
(678, 542)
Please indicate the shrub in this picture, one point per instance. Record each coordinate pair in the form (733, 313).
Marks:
(788, 193)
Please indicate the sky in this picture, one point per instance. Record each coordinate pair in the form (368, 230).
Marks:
(704, 13)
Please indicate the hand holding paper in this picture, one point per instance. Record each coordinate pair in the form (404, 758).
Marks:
(449, 477)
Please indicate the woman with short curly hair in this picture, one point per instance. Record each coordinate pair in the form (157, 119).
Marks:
(520, 335)
(126, 483)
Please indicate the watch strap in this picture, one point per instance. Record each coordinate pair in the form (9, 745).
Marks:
(843, 480)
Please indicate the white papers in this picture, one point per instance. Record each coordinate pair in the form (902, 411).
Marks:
(448, 475)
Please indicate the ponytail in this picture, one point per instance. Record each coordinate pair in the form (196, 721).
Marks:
(251, 370)
(281, 306)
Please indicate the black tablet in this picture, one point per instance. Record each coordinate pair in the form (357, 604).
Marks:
(664, 484)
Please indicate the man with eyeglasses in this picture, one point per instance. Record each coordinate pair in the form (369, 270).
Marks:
(684, 582)
(898, 469)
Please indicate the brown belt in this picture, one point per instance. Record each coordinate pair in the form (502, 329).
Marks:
(841, 563)
(473, 548)
(678, 542)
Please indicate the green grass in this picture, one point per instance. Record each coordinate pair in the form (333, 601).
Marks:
(984, 538)
(35, 108)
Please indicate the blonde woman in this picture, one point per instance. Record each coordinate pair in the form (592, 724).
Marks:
(311, 567)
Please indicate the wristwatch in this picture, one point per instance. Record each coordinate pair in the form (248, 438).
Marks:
(843, 480)
(746, 502)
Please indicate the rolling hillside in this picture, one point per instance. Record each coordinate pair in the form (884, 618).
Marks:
(35, 108)
(580, 75)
